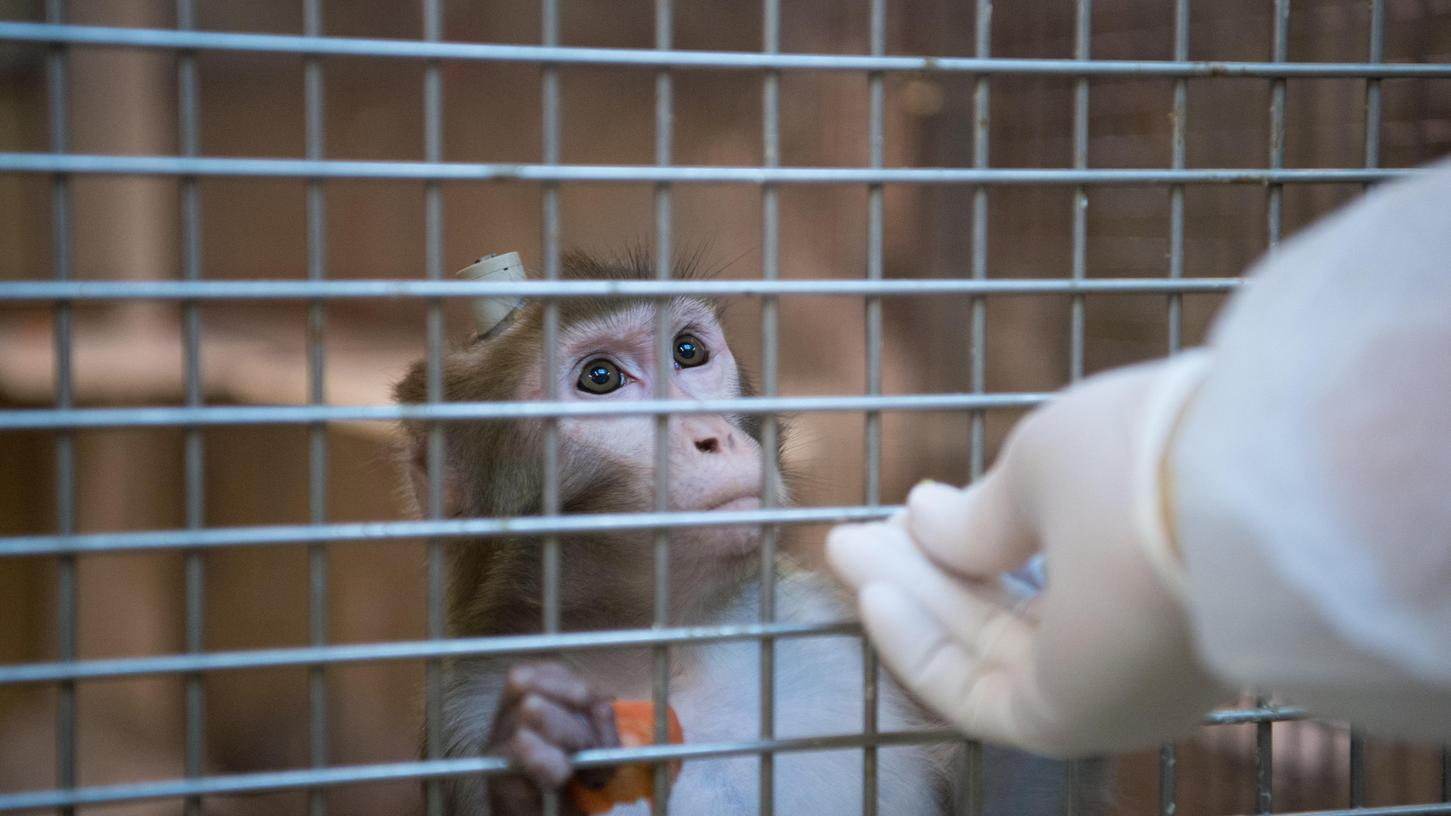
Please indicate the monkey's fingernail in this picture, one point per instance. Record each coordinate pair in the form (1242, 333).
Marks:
(521, 677)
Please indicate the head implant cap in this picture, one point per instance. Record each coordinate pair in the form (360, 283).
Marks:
(490, 312)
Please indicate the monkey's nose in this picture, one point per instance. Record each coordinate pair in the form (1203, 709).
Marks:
(711, 436)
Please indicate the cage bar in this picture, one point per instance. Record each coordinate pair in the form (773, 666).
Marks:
(876, 137)
(1179, 125)
(194, 539)
(1376, 54)
(1446, 774)
(195, 462)
(664, 369)
(1264, 761)
(649, 174)
(1168, 766)
(67, 623)
(551, 134)
(770, 427)
(970, 771)
(1179, 115)
(1082, 40)
(692, 59)
(977, 316)
(434, 327)
(1357, 769)
(317, 471)
(22, 291)
(272, 781)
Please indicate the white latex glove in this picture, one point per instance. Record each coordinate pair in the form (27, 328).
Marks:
(1103, 660)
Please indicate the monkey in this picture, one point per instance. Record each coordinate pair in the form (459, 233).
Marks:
(536, 712)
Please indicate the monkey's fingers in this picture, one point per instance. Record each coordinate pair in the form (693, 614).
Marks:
(976, 683)
(606, 735)
(568, 728)
(541, 760)
(549, 679)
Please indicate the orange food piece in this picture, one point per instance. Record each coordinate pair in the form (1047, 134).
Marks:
(635, 721)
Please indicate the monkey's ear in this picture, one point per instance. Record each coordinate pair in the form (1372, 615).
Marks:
(417, 465)
(414, 450)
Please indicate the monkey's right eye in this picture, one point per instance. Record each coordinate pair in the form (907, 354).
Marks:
(600, 377)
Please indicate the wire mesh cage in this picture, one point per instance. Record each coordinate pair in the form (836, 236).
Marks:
(229, 227)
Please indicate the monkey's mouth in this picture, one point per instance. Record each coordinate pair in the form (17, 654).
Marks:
(741, 503)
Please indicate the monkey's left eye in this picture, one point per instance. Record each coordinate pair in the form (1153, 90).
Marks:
(690, 352)
(600, 377)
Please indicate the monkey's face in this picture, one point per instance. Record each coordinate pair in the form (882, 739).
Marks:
(713, 462)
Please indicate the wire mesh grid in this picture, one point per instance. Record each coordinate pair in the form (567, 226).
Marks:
(323, 287)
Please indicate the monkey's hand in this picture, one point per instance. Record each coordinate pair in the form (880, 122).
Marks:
(546, 713)
(1103, 660)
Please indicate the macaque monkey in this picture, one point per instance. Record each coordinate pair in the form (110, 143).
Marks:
(536, 712)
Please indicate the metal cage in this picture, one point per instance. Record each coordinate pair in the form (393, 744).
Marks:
(46, 426)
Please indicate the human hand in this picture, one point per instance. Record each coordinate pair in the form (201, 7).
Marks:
(1103, 660)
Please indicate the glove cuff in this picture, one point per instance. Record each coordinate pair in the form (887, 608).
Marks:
(1160, 412)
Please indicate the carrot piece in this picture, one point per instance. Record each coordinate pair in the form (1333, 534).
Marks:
(635, 721)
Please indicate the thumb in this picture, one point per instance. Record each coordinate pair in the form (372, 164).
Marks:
(975, 532)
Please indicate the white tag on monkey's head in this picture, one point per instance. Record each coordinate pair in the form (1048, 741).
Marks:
(493, 313)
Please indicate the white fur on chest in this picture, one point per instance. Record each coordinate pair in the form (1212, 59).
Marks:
(818, 691)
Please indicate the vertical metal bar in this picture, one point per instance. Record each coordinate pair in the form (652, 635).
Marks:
(58, 99)
(664, 376)
(1168, 763)
(550, 356)
(970, 798)
(550, 146)
(1168, 758)
(433, 269)
(1277, 118)
(1082, 35)
(1357, 768)
(770, 429)
(195, 760)
(977, 353)
(1176, 191)
(1264, 762)
(1372, 86)
(1082, 41)
(1264, 736)
(876, 136)
(1446, 774)
(313, 100)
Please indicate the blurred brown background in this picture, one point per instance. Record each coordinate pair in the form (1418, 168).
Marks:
(125, 102)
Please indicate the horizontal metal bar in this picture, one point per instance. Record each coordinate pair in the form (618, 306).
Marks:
(334, 289)
(252, 783)
(1240, 716)
(302, 656)
(78, 163)
(375, 531)
(680, 59)
(238, 415)
(510, 645)
(1435, 809)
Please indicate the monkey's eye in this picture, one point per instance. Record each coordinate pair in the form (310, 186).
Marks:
(690, 352)
(600, 377)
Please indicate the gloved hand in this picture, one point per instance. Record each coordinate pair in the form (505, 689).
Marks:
(1103, 659)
